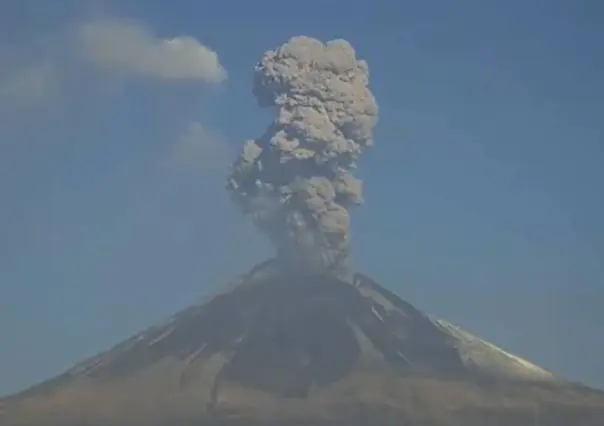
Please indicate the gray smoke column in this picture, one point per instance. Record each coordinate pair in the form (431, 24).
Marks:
(296, 180)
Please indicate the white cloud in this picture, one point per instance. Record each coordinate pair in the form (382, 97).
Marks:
(200, 149)
(128, 47)
(32, 73)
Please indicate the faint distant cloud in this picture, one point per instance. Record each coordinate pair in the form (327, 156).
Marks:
(130, 48)
(200, 149)
(43, 70)
(29, 86)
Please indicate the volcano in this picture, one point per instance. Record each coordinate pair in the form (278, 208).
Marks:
(273, 348)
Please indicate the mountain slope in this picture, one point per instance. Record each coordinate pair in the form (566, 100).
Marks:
(278, 349)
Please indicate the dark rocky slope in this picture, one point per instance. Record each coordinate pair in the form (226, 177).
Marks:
(275, 349)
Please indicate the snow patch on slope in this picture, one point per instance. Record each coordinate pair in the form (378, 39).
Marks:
(490, 359)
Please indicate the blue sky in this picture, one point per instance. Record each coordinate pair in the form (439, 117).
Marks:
(483, 193)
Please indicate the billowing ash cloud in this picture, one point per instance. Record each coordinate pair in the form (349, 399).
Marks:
(296, 180)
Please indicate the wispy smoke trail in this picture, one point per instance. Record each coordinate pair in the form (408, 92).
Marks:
(296, 181)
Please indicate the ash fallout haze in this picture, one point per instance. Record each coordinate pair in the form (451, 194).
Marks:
(121, 120)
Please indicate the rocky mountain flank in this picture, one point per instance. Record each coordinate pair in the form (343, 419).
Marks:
(275, 349)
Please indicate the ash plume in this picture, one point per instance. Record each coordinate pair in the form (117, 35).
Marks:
(296, 180)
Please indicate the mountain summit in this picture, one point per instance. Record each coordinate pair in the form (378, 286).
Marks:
(272, 348)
